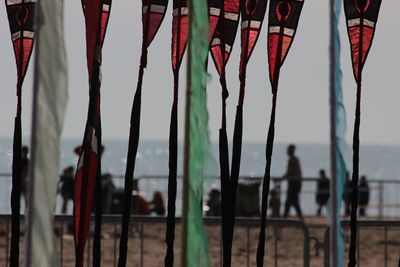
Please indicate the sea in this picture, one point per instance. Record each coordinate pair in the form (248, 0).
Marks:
(377, 163)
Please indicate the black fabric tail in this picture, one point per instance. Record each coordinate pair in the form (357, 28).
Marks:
(225, 196)
(172, 181)
(98, 203)
(354, 184)
(130, 167)
(16, 193)
(266, 184)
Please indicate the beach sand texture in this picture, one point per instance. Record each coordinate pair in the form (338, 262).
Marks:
(289, 248)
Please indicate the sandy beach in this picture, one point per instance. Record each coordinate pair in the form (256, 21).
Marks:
(289, 247)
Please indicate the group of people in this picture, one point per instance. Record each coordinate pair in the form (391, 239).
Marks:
(143, 207)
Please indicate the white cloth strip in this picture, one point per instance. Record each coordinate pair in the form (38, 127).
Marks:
(16, 2)
(155, 9)
(184, 11)
(369, 23)
(353, 22)
(16, 36)
(215, 11)
(106, 7)
(94, 142)
(277, 29)
(216, 41)
(228, 48)
(288, 31)
(28, 34)
(254, 24)
(231, 16)
(274, 29)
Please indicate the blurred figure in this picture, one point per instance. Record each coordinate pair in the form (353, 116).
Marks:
(275, 203)
(293, 175)
(157, 204)
(347, 195)
(322, 195)
(214, 203)
(363, 195)
(24, 171)
(66, 187)
(140, 206)
(107, 191)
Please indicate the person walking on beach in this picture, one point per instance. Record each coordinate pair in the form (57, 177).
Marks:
(293, 175)
(322, 191)
(67, 187)
(363, 195)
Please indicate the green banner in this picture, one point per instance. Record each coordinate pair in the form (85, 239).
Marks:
(195, 244)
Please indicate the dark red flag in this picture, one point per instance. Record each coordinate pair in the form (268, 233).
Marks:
(361, 18)
(20, 15)
(282, 25)
(224, 36)
(179, 32)
(87, 178)
(153, 13)
(215, 7)
(283, 19)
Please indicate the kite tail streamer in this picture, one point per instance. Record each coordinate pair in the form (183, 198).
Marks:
(98, 205)
(266, 183)
(172, 176)
(16, 192)
(354, 196)
(130, 167)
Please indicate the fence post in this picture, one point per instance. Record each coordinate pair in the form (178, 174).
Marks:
(380, 206)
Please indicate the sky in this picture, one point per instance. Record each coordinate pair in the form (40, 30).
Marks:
(303, 97)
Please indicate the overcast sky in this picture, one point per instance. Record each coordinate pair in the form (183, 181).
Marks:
(303, 100)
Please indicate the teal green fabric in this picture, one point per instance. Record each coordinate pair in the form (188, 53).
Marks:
(340, 133)
(197, 244)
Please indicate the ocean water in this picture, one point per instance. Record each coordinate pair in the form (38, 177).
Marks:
(377, 162)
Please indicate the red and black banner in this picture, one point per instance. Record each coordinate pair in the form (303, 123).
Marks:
(179, 32)
(361, 19)
(88, 174)
(20, 15)
(153, 13)
(214, 14)
(282, 25)
(225, 33)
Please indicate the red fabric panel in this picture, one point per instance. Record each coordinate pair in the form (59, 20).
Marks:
(354, 33)
(273, 40)
(213, 26)
(84, 187)
(182, 39)
(232, 6)
(252, 38)
(26, 52)
(92, 13)
(154, 24)
(104, 20)
(216, 52)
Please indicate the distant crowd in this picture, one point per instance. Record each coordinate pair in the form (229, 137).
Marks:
(247, 200)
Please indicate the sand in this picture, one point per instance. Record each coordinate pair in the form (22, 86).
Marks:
(288, 250)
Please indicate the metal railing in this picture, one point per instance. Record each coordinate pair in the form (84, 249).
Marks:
(138, 226)
(364, 225)
(384, 200)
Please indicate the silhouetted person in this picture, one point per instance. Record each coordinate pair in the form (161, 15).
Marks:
(275, 203)
(347, 195)
(214, 203)
(293, 175)
(140, 206)
(157, 203)
(67, 187)
(363, 195)
(107, 190)
(24, 170)
(322, 195)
